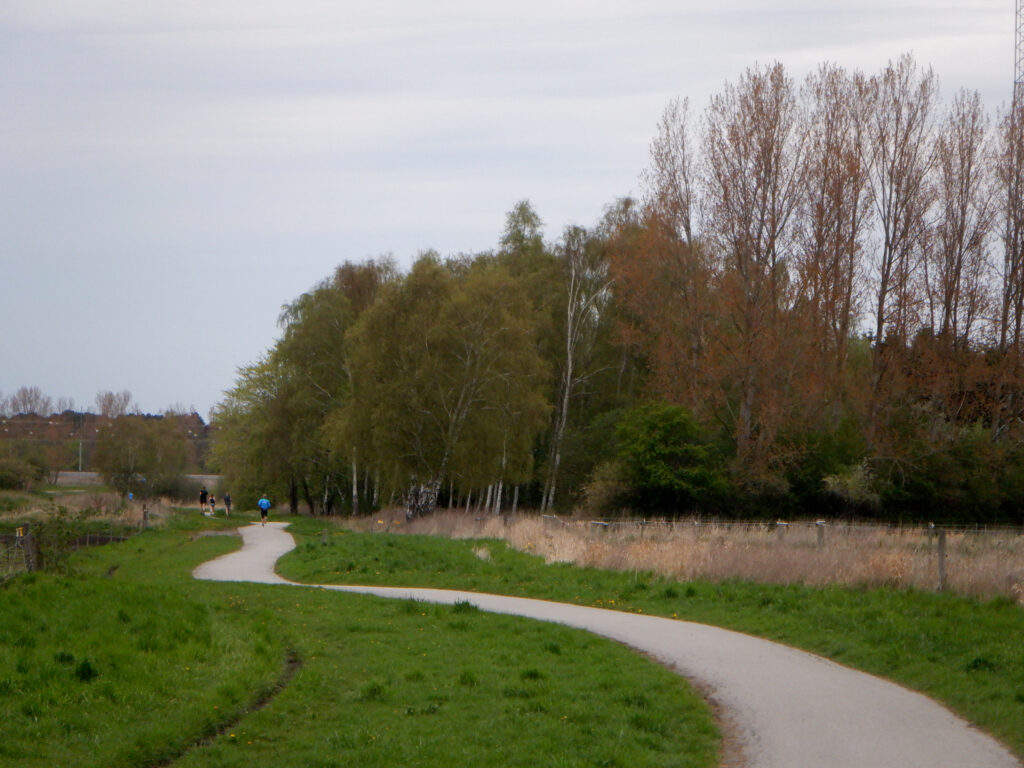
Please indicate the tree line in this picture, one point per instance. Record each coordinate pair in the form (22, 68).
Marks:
(135, 452)
(815, 307)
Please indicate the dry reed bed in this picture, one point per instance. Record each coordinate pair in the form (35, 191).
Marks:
(984, 563)
(102, 507)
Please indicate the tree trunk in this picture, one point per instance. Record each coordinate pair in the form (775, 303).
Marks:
(355, 485)
(327, 505)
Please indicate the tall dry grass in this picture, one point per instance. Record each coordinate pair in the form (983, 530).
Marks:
(97, 506)
(984, 563)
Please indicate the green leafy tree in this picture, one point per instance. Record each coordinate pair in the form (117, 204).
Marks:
(142, 455)
(442, 355)
(250, 449)
(277, 429)
(669, 463)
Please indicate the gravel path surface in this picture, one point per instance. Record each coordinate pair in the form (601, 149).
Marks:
(783, 708)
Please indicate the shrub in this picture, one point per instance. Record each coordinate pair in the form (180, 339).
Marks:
(855, 486)
(668, 461)
(177, 487)
(605, 491)
(18, 475)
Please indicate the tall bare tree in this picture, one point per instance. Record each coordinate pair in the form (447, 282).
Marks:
(957, 268)
(665, 272)
(753, 176)
(670, 179)
(1010, 194)
(115, 404)
(899, 137)
(835, 219)
(26, 400)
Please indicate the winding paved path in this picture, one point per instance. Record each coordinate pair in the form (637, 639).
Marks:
(787, 708)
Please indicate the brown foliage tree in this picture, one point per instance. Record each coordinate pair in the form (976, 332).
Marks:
(835, 219)
(754, 172)
(956, 270)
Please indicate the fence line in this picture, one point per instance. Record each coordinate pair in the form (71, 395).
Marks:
(981, 561)
(23, 552)
(18, 553)
(681, 524)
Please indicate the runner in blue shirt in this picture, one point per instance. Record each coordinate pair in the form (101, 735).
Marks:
(264, 505)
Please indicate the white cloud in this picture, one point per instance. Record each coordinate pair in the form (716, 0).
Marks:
(247, 146)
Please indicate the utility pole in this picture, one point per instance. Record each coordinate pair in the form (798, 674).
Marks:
(1018, 70)
(1016, 185)
(1011, 326)
(1013, 236)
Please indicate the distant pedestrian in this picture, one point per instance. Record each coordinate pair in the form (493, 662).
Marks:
(213, 506)
(264, 505)
(203, 496)
(227, 504)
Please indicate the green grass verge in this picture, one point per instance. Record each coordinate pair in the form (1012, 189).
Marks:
(965, 653)
(127, 661)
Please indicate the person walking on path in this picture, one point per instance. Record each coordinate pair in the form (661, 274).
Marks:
(213, 505)
(227, 504)
(203, 496)
(264, 505)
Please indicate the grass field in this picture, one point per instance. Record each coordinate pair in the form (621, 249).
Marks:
(962, 651)
(127, 661)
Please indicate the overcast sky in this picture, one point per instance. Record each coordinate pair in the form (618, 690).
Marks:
(172, 173)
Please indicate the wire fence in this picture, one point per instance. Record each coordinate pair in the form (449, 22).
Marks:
(18, 553)
(32, 547)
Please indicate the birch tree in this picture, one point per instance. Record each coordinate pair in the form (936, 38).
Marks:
(434, 355)
(587, 282)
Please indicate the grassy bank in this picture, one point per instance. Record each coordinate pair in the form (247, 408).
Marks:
(127, 661)
(961, 651)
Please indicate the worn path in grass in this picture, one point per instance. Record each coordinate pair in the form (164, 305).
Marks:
(786, 708)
